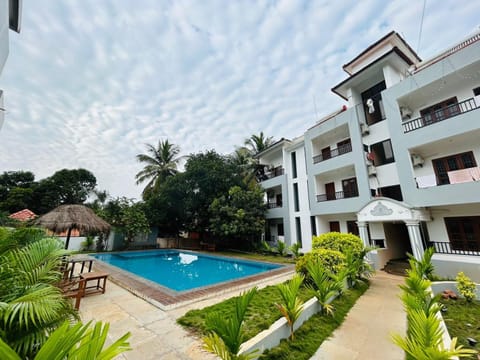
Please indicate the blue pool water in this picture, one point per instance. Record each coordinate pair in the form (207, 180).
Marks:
(181, 271)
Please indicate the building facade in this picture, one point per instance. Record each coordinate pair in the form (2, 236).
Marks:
(10, 11)
(398, 166)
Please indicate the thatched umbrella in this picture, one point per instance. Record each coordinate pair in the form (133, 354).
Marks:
(68, 217)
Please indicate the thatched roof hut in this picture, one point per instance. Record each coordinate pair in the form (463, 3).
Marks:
(68, 217)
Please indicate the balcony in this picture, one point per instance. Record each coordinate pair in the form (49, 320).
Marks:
(263, 175)
(440, 115)
(337, 195)
(454, 177)
(274, 205)
(343, 149)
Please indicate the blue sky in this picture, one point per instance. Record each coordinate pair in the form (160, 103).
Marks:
(88, 83)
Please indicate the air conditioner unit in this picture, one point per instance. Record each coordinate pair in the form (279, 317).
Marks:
(372, 170)
(417, 160)
(364, 129)
(406, 112)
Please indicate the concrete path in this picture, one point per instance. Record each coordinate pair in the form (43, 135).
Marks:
(365, 333)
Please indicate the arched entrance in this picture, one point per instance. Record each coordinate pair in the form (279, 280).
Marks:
(394, 227)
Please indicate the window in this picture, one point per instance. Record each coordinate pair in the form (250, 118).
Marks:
(278, 200)
(451, 163)
(392, 192)
(476, 92)
(464, 232)
(382, 153)
(298, 227)
(373, 104)
(440, 111)
(313, 225)
(334, 226)
(352, 227)
(349, 187)
(295, 197)
(294, 164)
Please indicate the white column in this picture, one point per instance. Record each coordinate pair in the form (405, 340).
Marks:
(413, 227)
(363, 232)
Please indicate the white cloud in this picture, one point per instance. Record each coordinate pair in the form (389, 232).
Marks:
(88, 83)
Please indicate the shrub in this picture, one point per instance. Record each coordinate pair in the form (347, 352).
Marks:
(281, 248)
(331, 260)
(339, 241)
(466, 286)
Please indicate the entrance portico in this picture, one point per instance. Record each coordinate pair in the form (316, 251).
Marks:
(382, 210)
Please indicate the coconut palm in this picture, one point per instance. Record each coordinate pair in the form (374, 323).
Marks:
(161, 162)
(291, 306)
(82, 342)
(242, 159)
(227, 332)
(257, 143)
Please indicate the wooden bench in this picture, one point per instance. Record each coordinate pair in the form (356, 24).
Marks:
(99, 277)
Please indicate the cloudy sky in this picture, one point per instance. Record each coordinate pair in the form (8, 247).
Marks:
(88, 83)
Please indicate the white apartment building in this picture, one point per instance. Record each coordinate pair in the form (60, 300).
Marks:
(10, 12)
(398, 166)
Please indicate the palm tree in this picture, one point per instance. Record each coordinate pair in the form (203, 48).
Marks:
(257, 143)
(325, 286)
(79, 341)
(227, 333)
(161, 162)
(291, 306)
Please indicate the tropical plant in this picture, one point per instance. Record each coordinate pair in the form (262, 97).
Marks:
(466, 286)
(161, 163)
(295, 249)
(257, 143)
(424, 266)
(281, 247)
(87, 243)
(291, 306)
(246, 165)
(425, 339)
(78, 341)
(325, 286)
(31, 306)
(357, 268)
(226, 333)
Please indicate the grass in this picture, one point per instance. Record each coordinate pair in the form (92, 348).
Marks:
(462, 320)
(315, 330)
(259, 257)
(260, 315)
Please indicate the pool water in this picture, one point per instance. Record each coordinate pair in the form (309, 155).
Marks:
(182, 271)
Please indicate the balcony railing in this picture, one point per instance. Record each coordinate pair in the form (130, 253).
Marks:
(343, 149)
(337, 195)
(440, 115)
(262, 176)
(459, 248)
(273, 205)
(454, 177)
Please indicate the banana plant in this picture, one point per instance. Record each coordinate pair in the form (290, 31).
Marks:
(78, 342)
(291, 306)
(227, 334)
(325, 286)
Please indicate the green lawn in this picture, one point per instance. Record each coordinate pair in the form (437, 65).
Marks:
(261, 313)
(462, 320)
(254, 256)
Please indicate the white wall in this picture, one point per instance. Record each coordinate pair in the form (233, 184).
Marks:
(4, 28)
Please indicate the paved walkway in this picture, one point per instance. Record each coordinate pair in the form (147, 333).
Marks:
(365, 333)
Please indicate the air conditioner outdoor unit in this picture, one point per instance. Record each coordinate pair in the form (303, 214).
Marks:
(372, 170)
(364, 129)
(417, 160)
(406, 112)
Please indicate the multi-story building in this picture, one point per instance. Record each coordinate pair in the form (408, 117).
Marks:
(10, 11)
(397, 166)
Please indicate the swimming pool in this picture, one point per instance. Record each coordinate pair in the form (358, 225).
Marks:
(182, 270)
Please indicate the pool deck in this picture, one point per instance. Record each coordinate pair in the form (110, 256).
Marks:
(167, 299)
(154, 331)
